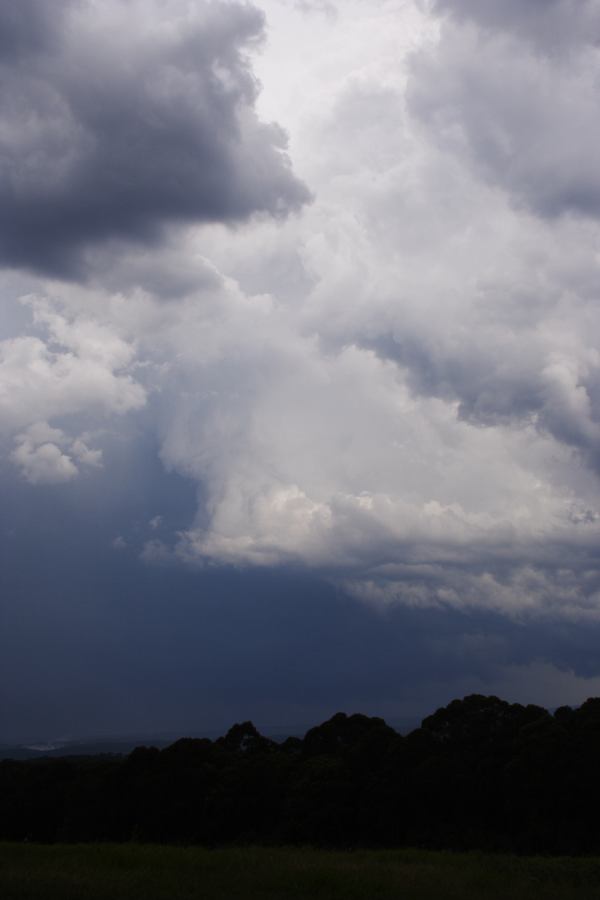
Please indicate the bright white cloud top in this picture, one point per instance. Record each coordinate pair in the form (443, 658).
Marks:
(396, 383)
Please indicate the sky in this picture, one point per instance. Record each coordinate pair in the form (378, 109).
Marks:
(299, 360)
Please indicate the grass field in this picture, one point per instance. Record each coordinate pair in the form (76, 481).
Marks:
(130, 871)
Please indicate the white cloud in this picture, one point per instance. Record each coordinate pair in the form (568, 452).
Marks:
(76, 367)
(401, 386)
(40, 457)
(46, 455)
(85, 455)
(541, 585)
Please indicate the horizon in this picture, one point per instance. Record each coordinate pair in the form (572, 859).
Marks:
(275, 732)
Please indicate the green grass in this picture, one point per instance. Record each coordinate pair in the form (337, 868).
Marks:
(131, 871)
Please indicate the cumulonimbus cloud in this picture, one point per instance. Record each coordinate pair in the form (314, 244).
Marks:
(514, 87)
(401, 387)
(554, 27)
(114, 128)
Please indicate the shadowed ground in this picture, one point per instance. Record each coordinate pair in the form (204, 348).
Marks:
(131, 871)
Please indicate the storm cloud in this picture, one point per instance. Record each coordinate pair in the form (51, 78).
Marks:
(513, 86)
(398, 388)
(355, 440)
(553, 27)
(30, 27)
(115, 127)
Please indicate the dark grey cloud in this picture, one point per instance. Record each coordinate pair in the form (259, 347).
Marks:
(553, 26)
(30, 26)
(497, 91)
(512, 382)
(116, 130)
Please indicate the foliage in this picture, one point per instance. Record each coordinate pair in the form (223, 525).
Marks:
(479, 774)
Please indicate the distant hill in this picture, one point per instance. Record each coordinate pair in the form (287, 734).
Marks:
(74, 748)
(122, 745)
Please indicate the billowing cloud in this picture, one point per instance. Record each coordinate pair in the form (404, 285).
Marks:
(400, 388)
(40, 456)
(75, 366)
(71, 370)
(47, 455)
(326, 456)
(552, 26)
(495, 91)
(123, 118)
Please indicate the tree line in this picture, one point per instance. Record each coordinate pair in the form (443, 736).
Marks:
(479, 773)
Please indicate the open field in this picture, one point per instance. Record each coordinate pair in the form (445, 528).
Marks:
(128, 872)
